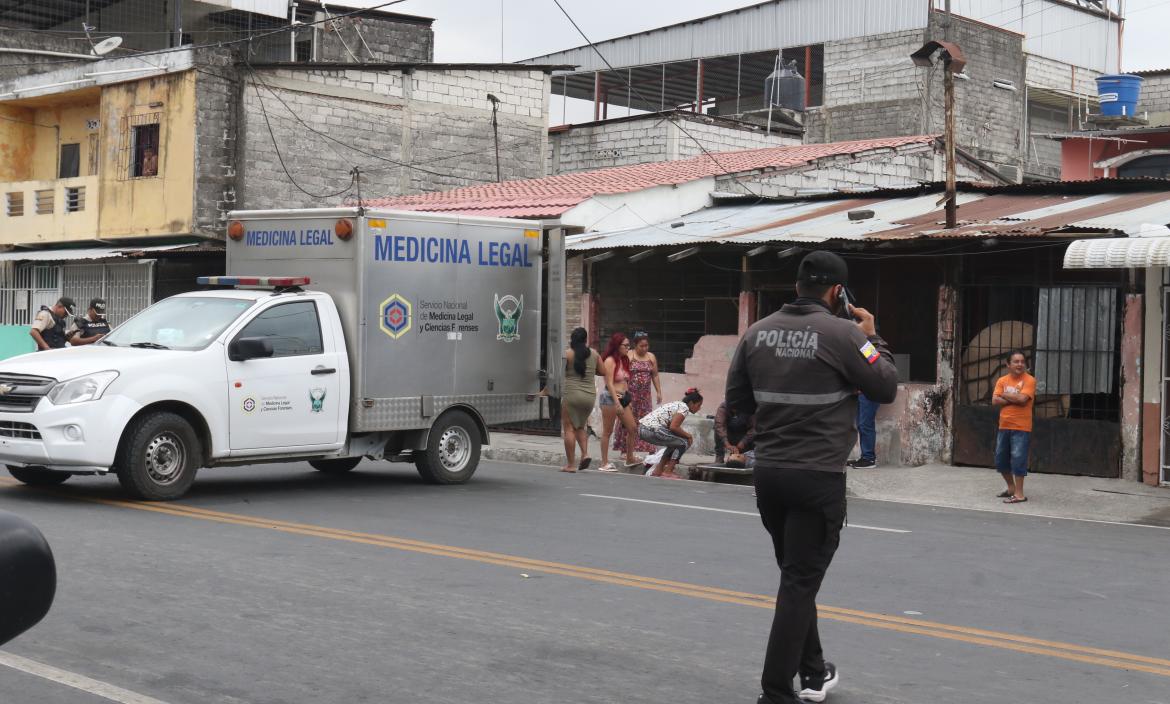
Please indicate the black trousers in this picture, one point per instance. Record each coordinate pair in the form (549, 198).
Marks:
(804, 511)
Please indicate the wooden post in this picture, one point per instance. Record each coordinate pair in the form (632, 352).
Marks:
(949, 97)
(596, 95)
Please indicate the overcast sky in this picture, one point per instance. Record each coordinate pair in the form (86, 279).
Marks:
(469, 30)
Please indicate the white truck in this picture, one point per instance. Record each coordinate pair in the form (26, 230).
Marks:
(342, 334)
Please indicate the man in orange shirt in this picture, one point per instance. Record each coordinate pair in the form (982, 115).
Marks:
(1014, 394)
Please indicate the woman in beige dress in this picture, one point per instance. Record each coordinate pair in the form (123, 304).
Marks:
(577, 397)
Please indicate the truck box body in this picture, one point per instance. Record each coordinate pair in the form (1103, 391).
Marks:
(437, 310)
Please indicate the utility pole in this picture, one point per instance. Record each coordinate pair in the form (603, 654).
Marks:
(953, 62)
(949, 135)
(496, 131)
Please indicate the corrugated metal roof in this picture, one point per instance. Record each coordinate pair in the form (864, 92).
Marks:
(915, 215)
(1116, 253)
(61, 255)
(762, 27)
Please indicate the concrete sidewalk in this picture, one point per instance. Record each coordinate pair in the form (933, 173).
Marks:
(1055, 495)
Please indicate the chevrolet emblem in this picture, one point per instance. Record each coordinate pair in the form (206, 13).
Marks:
(5, 389)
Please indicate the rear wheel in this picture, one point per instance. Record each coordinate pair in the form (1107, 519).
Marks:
(159, 457)
(452, 453)
(337, 466)
(37, 476)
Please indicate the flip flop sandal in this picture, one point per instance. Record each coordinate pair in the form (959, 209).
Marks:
(1014, 500)
(584, 464)
(1005, 494)
(607, 467)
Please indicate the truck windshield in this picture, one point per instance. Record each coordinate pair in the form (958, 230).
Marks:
(180, 323)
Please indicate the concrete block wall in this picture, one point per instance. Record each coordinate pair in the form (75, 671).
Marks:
(885, 118)
(386, 40)
(871, 69)
(1043, 154)
(1155, 100)
(653, 138)
(1047, 73)
(217, 89)
(605, 145)
(439, 121)
(717, 137)
(574, 287)
(873, 90)
(16, 65)
(989, 119)
(880, 168)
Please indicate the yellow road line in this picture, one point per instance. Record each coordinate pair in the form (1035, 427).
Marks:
(976, 636)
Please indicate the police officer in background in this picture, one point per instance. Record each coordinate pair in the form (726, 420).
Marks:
(799, 370)
(91, 327)
(48, 328)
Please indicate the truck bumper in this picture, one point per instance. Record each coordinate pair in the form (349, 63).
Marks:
(80, 437)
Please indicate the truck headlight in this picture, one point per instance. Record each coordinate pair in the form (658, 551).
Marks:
(84, 388)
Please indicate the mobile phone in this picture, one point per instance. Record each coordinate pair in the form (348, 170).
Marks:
(846, 311)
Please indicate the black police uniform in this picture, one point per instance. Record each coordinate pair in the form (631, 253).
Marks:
(89, 328)
(54, 336)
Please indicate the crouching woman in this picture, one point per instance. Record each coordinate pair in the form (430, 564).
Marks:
(663, 427)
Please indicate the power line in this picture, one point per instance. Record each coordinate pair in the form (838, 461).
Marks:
(353, 174)
(635, 91)
(258, 80)
(232, 42)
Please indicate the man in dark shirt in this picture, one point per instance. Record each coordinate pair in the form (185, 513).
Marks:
(799, 371)
(92, 327)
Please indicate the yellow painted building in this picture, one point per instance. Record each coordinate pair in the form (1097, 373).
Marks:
(108, 163)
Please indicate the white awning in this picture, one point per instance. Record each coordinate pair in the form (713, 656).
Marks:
(1118, 253)
(60, 255)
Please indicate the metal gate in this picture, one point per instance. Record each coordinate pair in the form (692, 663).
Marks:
(127, 287)
(1071, 338)
(24, 289)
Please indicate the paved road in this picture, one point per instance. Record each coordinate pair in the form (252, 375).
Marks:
(277, 584)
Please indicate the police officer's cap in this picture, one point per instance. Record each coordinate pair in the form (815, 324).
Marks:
(67, 303)
(823, 269)
(98, 305)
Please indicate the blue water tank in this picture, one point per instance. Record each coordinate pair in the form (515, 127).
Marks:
(1119, 94)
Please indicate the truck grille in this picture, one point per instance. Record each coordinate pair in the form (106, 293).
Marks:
(25, 431)
(20, 393)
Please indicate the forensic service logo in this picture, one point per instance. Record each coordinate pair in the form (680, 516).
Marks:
(249, 404)
(394, 316)
(316, 400)
(508, 312)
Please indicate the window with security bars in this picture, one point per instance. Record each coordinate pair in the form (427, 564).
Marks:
(140, 150)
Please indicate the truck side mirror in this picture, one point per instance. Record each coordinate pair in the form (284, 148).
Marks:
(246, 348)
(28, 576)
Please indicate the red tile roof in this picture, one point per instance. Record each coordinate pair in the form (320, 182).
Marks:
(552, 196)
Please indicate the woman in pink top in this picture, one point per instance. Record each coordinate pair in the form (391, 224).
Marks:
(615, 400)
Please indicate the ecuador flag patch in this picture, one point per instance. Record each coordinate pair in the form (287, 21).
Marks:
(870, 352)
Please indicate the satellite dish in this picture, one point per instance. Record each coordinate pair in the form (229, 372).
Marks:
(105, 46)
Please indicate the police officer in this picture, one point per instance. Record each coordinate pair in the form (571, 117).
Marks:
(799, 370)
(48, 328)
(92, 326)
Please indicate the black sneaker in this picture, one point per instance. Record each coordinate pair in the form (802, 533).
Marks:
(815, 688)
(863, 463)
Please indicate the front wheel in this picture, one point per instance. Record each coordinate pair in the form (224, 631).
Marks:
(37, 476)
(159, 457)
(337, 466)
(452, 453)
